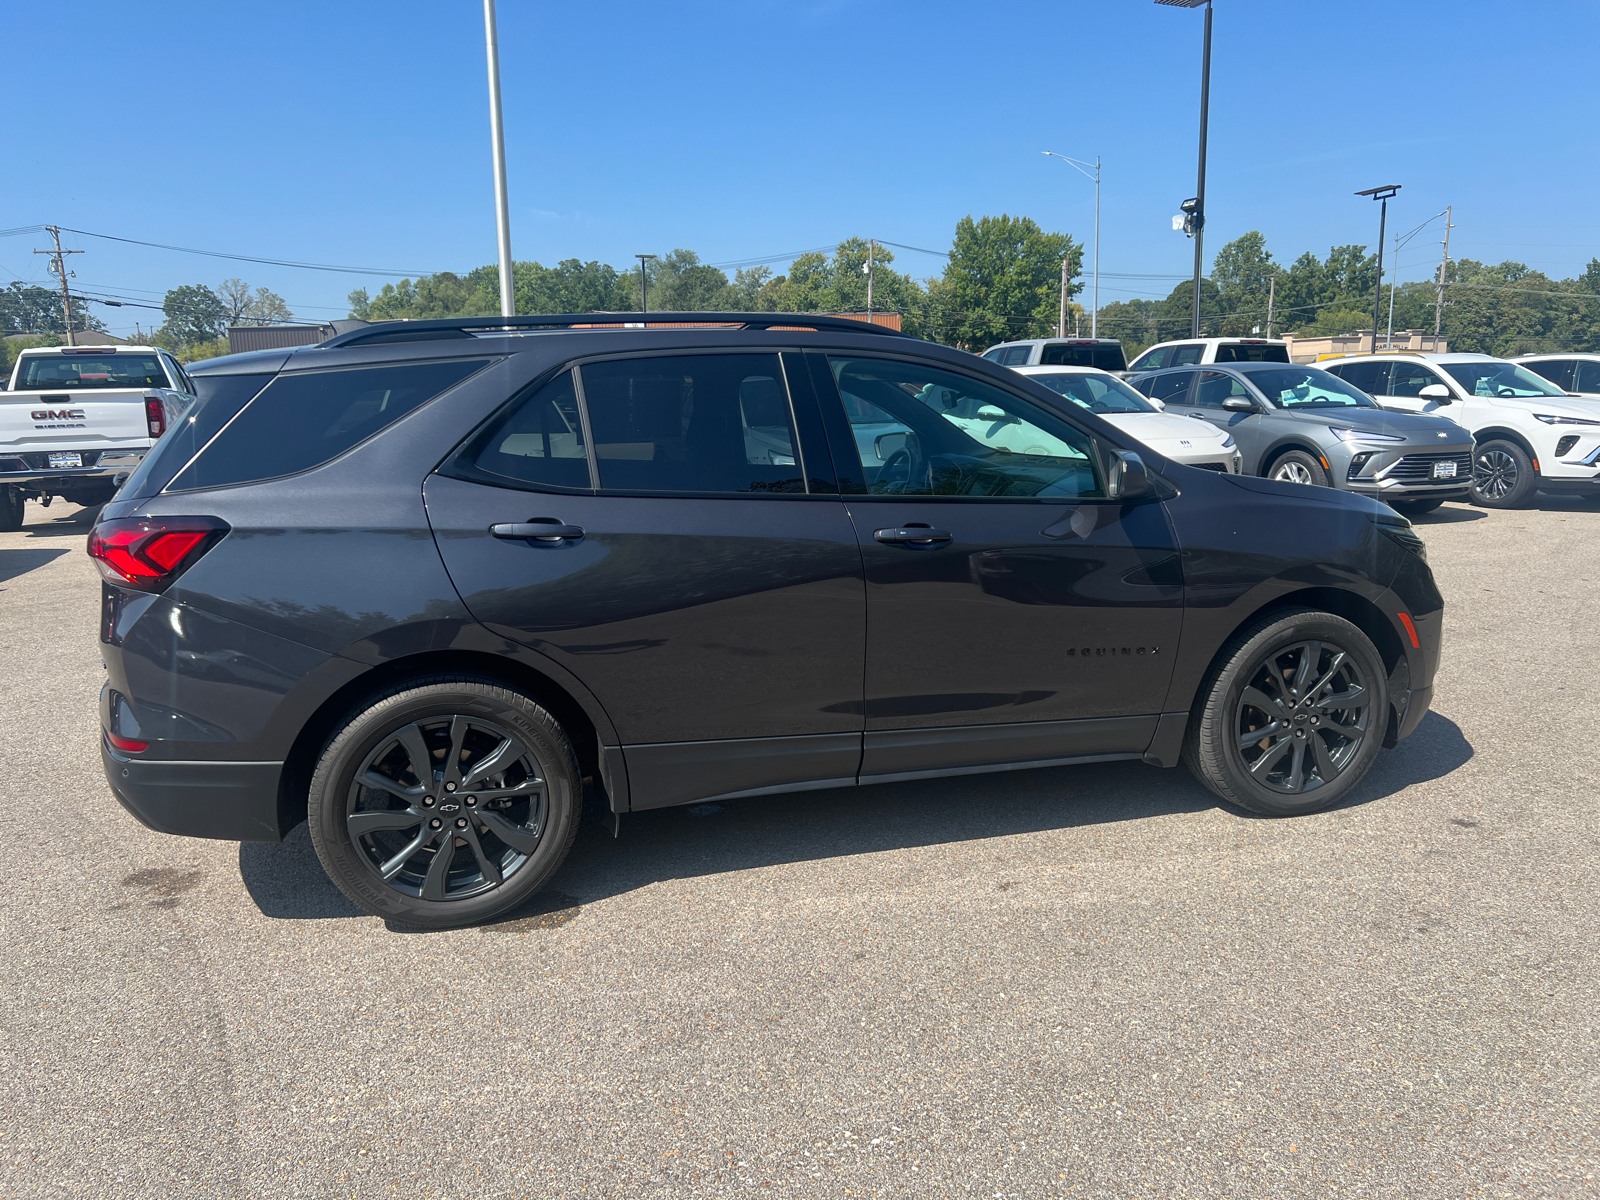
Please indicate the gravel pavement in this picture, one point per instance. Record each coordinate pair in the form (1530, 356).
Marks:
(1081, 982)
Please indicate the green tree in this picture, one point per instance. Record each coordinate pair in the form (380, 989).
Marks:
(25, 308)
(1240, 272)
(246, 307)
(1004, 279)
(1176, 318)
(194, 314)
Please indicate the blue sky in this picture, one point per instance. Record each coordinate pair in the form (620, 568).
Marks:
(356, 133)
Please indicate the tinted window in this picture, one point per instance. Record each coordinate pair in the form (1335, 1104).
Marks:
(220, 399)
(695, 423)
(1150, 360)
(301, 421)
(1588, 377)
(1247, 353)
(45, 372)
(1185, 356)
(540, 441)
(994, 355)
(1065, 354)
(962, 437)
(1098, 393)
(1016, 356)
(1558, 371)
(1217, 386)
(1169, 388)
(1407, 379)
(1500, 379)
(1371, 377)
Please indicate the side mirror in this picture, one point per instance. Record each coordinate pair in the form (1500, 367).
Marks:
(1435, 391)
(1160, 405)
(1238, 404)
(1129, 480)
(888, 445)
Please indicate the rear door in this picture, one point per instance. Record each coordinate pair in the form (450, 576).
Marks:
(1406, 381)
(1014, 614)
(698, 579)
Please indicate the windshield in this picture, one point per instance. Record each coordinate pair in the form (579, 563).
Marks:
(42, 372)
(1308, 387)
(1098, 393)
(1500, 379)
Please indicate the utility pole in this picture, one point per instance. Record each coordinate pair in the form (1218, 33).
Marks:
(1200, 187)
(1061, 327)
(1438, 304)
(644, 282)
(502, 204)
(1272, 294)
(1394, 282)
(60, 268)
(871, 246)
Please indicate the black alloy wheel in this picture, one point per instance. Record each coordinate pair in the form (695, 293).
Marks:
(445, 803)
(1502, 475)
(1294, 715)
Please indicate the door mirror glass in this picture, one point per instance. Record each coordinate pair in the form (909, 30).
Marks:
(889, 444)
(1129, 479)
(1435, 391)
(1238, 404)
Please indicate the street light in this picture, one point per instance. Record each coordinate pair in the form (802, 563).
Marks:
(644, 282)
(1083, 169)
(1197, 213)
(1382, 194)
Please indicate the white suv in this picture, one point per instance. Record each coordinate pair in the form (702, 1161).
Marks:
(1578, 374)
(1528, 434)
(1198, 352)
(1104, 354)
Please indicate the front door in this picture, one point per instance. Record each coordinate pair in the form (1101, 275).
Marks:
(1014, 614)
(1207, 402)
(722, 614)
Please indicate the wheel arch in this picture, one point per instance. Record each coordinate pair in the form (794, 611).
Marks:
(332, 713)
(1277, 451)
(1499, 433)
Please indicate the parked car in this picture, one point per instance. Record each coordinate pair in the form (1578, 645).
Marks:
(74, 418)
(1102, 353)
(1108, 397)
(1299, 424)
(1192, 352)
(1575, 374)
(420, 584)
(1529, 435)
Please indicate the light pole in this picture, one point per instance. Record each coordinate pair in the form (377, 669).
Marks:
(644, 282)
(1197, 213)
(1381, 194)
(1083, 169)
(502, 205)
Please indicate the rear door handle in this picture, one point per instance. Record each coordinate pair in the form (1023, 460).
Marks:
(912, 535)
(537, 531)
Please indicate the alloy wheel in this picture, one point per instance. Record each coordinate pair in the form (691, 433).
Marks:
(448, 807)
(1292, 472)
(1494, 474)
(1303, 717)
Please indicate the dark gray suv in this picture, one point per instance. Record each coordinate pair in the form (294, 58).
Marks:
(424, 583)
(1301, 424)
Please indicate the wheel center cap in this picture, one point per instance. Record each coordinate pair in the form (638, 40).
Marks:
(449, 808)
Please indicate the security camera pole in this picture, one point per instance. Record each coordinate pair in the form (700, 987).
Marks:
(644, 282)
(502, 205)
(1196, 209)
(1382, 194)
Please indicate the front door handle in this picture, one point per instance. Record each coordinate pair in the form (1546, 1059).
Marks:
(537, 531)
(911, 535)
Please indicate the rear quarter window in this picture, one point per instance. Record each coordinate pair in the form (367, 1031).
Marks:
(303, 420)
(219, 399)
(1231, 354)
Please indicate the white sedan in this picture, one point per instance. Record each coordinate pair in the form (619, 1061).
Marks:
(1182, 439)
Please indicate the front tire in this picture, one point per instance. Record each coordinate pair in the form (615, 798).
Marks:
(1299, 467)
(12, 506)
(1293, 717)
(1502, 475)
(446, 802)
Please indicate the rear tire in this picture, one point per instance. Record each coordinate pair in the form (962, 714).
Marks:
(1502, 475)
(1299, 467)
(12, 506)
(477, 830)
(1414, 508)
(1293, 715)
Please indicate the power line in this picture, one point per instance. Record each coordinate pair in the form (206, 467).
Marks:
(271, 262)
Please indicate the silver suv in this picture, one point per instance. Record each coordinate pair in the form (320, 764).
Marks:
(1300, 424)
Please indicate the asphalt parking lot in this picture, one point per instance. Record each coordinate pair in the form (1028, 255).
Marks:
(1087, 981)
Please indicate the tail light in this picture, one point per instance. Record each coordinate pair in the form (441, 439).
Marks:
(155, 413)
(148, 554)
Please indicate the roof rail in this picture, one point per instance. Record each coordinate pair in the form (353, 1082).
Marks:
(380, 332)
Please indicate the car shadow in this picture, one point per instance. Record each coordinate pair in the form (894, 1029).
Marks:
(1449, 515)
(286, 881)
(20, 560)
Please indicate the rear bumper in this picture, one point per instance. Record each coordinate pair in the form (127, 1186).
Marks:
(52, 479)
(232, 801)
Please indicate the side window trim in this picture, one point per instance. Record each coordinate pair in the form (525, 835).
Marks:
(583, 425)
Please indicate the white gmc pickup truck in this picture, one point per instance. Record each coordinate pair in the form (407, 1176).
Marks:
(74, 418)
